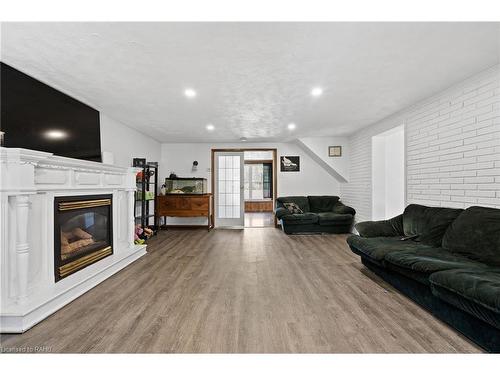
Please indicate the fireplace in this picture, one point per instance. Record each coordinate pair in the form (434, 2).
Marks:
(83, 232)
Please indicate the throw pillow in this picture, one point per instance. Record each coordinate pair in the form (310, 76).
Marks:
(293, 208)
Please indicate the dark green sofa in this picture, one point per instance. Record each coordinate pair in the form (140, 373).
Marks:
(452, 268)
(322, 214)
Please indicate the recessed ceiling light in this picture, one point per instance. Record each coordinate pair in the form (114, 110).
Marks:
(210, 127)
(55, 134)
(317, 91)
(190, 93)
(243, 139)
(291, 126)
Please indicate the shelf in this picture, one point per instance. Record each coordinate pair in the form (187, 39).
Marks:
(148, 216)
(149, 185)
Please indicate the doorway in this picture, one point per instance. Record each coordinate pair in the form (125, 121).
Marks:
(258, 189)
(244, 189)
(388, 173)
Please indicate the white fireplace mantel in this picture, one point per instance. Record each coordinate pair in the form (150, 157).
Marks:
(29, 182)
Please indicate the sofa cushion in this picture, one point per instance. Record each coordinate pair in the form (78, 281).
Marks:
(376, 248)
(476, 235)
(299, 219)
(475, 291)
(322, 203)
(429, 223)
(419, 264)
(479, 285)
(382, 228)
(329, 218)
(302, 202)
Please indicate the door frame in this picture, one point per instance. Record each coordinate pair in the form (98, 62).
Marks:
(275, 171)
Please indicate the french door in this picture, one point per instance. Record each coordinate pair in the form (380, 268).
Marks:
(228, 189)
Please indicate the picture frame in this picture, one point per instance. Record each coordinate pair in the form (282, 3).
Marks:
(335, 151)
(290, 163)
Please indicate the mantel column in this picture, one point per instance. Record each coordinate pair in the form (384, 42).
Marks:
(22, 246)
(131, 217)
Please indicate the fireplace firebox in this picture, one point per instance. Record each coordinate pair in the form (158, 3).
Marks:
(83, 232)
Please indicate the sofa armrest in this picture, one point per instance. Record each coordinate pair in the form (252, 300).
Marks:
(281, 212)
(341, 208)
(383, 228)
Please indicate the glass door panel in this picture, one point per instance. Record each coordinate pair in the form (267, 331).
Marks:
(228, 194)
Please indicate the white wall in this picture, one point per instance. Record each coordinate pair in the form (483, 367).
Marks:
(452, 149)
(126, 143)
(319, 146)
(378, 180)
(311, 180)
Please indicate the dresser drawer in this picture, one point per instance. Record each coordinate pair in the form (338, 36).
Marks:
(184, 206)
(201, 203)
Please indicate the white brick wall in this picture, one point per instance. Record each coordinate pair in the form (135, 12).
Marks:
(452, 149)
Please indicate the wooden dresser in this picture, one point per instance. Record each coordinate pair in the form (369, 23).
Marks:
(185, 205)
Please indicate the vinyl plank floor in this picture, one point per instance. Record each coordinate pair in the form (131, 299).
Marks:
(255, 290)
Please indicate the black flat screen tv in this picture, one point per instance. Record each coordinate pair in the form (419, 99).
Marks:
(38, 117)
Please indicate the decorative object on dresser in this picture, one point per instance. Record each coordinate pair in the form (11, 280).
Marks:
(185, 185)
(186, 205)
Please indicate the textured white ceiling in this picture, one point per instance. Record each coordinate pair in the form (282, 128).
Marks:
(252, 79)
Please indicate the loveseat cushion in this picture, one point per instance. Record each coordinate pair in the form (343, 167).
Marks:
(429, 223)
(330, 218)
(280, 212)
(340, 208)
(475, 234)
(376, 248)
(302, 202)
(419, 264)
(322, 203)
(476, 291)
(299, 219)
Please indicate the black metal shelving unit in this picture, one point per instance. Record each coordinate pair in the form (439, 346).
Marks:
(148, 183)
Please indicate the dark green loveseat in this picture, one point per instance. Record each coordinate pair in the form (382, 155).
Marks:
(321, 214)
(452, 267)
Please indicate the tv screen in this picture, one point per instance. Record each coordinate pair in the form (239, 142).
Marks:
(38, 117)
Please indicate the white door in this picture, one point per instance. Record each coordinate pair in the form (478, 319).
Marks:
(228, 194)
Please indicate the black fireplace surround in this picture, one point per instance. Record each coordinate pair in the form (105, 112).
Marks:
(83, 232)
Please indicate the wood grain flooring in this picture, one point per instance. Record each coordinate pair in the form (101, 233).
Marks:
(250, 291)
